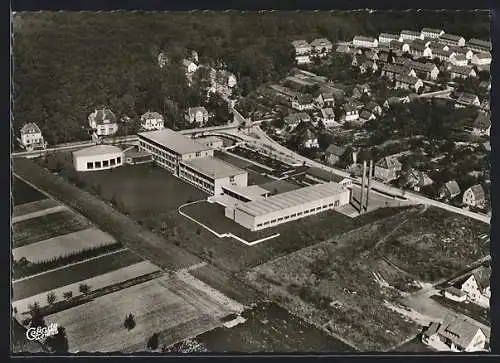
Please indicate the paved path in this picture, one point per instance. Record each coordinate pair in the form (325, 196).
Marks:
(39, 213)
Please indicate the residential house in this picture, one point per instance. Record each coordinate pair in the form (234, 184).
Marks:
(431, 33)
(461, 50)
(459, 60)
(103, 121)
(363, 89)
(152, 121)
(194, 56)
(467, 99)
(449, 190)
(325, 99)
(461, 72)
(198, 115)
(366, 115)
(457, 334)
(416, 180)
(162, 59)
(364, 42)
(301, 47)
(478, 45)
(480, 59)
(328, 117)
(482, 124)
(408, 82)
(436, 45)
(474, 197)
(485, 85)
(303, 59)
(294, 119)
(485, 104)
(374, 108)
(451, 39)
(387, 169)
(412, 97)
(383, 57)
(321, 46)
(418, 50)
(343, 49)
(409, 35)
(309, 140)
(425, 70)
(333, 154)
(386, 38)
(189, 66)
(396, 46)
(303, 102)
(391, 101)
(477, 286)
(351, 112)
(31, 136)
(443, 55)
(391, 70)
(452, 293)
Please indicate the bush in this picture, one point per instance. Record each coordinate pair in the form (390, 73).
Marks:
(129, 322)
(51, 298)
(84, 288)
(153, 342)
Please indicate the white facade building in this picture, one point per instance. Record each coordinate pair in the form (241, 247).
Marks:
(386, 38)
(99, 157)
(364, 42)
(431, 33)
(289, 206)
(480, 59)
(152, 121)
(409, 35)
(31, 136)
(103, 121)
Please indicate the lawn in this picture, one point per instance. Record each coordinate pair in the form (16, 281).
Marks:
(341, 285)
(71, 274)
(24, 193)
(33, 207)
(47, 226)
(437, 244)
(271, 329)
(470, 309)
(165, 305)
(64, 245)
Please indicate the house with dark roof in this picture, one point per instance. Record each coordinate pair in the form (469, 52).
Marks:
(449, 190)
(152, 121)
(426, 70)
(327, 116)
(162, 59)
(391, 101)
(478, 45)
(467, 99)
(437, 45)
(309, 140)
(368, 66)
(431, 33)
(366, 115)
(31, 136)
(408, 82)
(418, 50)
(294, 119)
(321, 47)
(351, 113)
(461, 50)
(391, 70)
(343, 49)
(396, 45)
(477, 285)
(387, 169)
(451, 39)
(303, 101)
(325, 99)
(461, 72)
(456, 334)
(459, 60)
(103, 121)
(474, 197)
(333, 154)
(374, 108)
(452, 293)
(482, 124)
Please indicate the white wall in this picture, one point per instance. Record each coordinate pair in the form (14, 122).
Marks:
(80, 162)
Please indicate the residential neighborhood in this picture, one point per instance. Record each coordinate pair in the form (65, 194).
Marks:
(252, 182)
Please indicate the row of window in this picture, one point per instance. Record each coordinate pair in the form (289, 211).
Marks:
(234, 195)
(104, 163)
(295, 215)
(197, 173)
(197, 181)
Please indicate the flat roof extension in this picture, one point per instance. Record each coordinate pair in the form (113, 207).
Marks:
(174, 141)
(98, 150)
(214, 167)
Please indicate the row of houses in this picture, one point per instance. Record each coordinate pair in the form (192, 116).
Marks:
(475, 288)
(304, 51)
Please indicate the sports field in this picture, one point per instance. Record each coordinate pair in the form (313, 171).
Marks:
(79, 272)
(165, 305)
(47, 226)
(63, 245)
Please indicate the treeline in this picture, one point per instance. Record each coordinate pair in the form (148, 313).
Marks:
(67, 64)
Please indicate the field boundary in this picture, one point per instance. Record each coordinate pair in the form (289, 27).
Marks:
(39, 213)
(222, 235)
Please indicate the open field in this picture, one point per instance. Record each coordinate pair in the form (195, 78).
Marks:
(24, 193)
(341, 285)
(32, 207)
(71, 274)
(436, 244)
(165, 305)
(112, 278)
(123, 228)
(470, 309)
(63, 245)
(47, 226)
(269, 328)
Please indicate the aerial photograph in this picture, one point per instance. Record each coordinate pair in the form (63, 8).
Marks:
(250, 182)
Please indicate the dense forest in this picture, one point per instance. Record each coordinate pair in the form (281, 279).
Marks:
(66, 64)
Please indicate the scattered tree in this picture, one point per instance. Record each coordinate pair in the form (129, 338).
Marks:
(129, 322)
(51, 298)
(36, 316)
(84, 288)
(153, 342)
(68, 294)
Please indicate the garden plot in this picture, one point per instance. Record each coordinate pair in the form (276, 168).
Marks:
(24, 193)
(65, 245)
(99, 282)
(33, 207)
(47, 226)
(78, 272)
(165, 305)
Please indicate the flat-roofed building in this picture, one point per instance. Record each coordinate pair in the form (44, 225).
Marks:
(281, 208)
(211, 174)
(245, 194)
(213, 142)
(99, 157)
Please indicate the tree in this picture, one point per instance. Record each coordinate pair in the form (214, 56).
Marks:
(84, 288)
(129, 322)
(51, 298)
(68, 294)
(58, 343)
(153, 342)
(36, 316)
